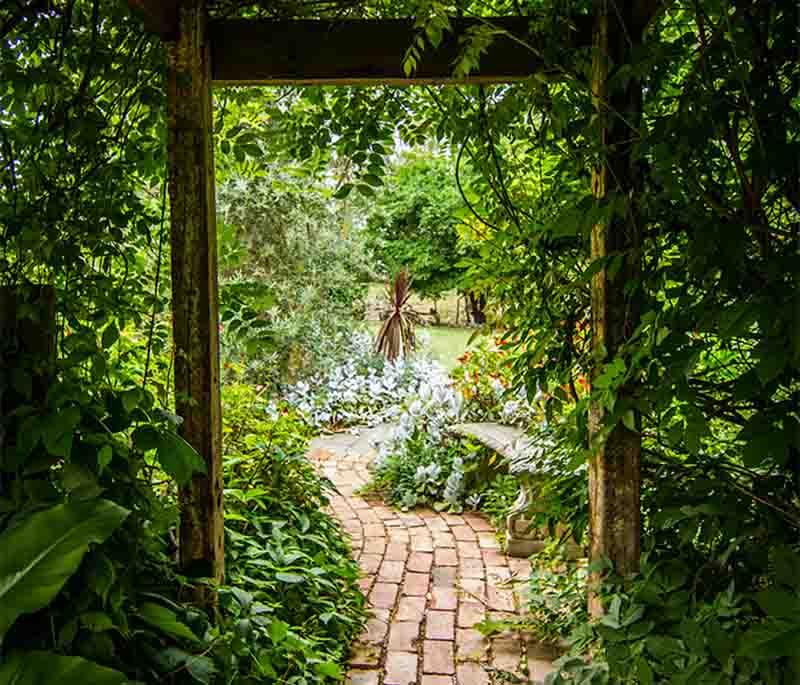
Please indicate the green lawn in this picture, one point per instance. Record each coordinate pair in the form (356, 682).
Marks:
(447, 344)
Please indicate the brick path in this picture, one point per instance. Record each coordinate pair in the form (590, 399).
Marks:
(430, 578)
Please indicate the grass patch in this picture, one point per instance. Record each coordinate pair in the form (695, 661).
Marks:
(446, 344)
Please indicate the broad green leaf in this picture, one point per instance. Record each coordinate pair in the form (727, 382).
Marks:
(278, 630)
(131, 399)
(58, 430)
(343, 191)
(104, 457)
(291, 578)
(329, 669)
(42, 552)
(110, 336)
(166, 621)
(96, 621)
(47, 668)
(146, 438)
(772, 639)
(178, 458)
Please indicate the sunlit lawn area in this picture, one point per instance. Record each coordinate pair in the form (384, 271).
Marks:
(445, 344)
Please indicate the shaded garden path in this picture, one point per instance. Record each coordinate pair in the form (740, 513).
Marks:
(430, 578)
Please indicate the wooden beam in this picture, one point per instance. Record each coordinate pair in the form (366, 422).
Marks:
(366, 52)
(615, 471)
(195, 309)
(160, 16)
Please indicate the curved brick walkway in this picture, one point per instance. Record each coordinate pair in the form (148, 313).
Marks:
(430, 578)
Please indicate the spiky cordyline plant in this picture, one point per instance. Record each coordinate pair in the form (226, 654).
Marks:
(396, 336)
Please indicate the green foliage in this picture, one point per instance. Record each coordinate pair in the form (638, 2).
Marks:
(413, 224)
(417, 476)
(497, 497)
(44, 668)
(447, 476)
(663, 629)
(484, 377)
(713, 363)
(294, 274)
(556, 599)
(45, 549)
(294, 601)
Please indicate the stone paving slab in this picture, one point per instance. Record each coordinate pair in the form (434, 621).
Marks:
(430, 577)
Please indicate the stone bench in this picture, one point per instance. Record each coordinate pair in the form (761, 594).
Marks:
(522, 538)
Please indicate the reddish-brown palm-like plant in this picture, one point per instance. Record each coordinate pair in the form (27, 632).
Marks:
(396, 336)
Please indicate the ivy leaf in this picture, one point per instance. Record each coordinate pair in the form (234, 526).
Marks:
(58, 431)
(178, 458)
(166, 621)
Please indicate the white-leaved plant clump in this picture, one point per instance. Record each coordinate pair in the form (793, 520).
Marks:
(425, 418)
(429, 412)
(363, 389)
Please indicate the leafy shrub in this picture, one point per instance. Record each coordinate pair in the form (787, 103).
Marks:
(665, 628)
(294, 273)
(497, 497)
(359, 387)
(89, 585)
(484, 378)
(293, 601)
(555, 469)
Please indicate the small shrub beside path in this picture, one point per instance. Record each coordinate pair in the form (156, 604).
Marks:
(430, 578)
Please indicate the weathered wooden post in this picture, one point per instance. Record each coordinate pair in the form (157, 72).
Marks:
(194, 287)
(615, 473)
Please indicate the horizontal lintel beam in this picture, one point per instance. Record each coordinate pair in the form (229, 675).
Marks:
(160, 16)
(366, 52)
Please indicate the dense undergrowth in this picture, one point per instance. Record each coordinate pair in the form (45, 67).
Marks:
(290, 604)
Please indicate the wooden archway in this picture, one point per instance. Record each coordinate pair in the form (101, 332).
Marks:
(202, 53)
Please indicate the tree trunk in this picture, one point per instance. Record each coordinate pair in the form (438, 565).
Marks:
(614, 474)
(195, 308)
(477, 307)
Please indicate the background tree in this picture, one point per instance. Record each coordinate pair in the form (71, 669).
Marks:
(417, 222)
(294, 272)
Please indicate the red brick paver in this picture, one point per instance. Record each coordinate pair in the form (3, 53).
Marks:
(430, 578)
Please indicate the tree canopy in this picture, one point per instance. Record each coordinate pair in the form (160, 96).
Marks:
(414, 223)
